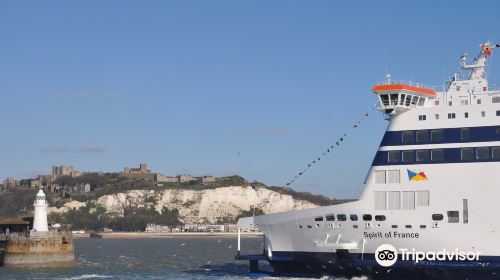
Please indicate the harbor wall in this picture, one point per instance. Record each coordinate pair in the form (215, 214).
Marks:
(40, 249)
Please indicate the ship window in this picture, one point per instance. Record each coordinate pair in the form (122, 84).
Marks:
(498, 113)
(436, 135)
(353, 217)
(318, 219)
(394, 226)
(309, 226)
(354, 226)
(467, 153)
(495, 99)
(407, 226)
(414, 100)
(341, 217)
(330, 217)
(437, 155)
(401, 101)
(436, 116)
(450, 103)
(453, 216)
(497, 131)
(408, 136)
(423, 155)
(408, 100)
(422, 117)
(380, 218)
(380, 200)
(394, 99)
(464, 133)
(451, 115)
(437, 217)
(394, 200)
(464, 102)
(423, 198)
(483, 153)
(421, 101)
(385, 99)
(495, 152)
(394, 177)
(367, 217)
(380, 177)
(478, 101)
(408, 200)
(394, 156)
(483, 114)
(422, 136)
(300, 226)
(466, 115)
(408, 156)
(423, 226)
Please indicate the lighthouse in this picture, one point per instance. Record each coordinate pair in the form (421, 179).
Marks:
(40, 220)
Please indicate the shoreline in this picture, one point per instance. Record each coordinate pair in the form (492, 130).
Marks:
(109, 235)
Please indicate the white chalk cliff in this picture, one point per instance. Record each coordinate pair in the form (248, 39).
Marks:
(204, 205)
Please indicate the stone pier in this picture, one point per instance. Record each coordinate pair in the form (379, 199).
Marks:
(39, 249)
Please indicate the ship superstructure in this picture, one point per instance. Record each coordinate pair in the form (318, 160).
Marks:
(431, 198)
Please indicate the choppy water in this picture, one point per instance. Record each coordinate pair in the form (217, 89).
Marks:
(150, 258)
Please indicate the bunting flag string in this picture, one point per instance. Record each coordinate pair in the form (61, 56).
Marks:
(330, 149)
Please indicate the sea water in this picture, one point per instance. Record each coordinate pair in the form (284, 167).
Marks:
(152, 258)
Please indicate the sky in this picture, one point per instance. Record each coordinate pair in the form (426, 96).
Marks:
(253, 88)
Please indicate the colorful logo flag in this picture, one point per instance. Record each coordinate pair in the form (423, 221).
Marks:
(414, 176)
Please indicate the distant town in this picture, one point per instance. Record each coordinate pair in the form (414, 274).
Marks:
(49, 182)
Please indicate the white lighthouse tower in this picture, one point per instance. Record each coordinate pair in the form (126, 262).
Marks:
(40, 220)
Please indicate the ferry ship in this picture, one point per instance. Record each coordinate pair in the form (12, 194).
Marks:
(431, 203)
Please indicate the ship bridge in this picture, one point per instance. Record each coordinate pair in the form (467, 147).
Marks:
(395, 97)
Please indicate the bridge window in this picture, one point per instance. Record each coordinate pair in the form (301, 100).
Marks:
(483, 153)
(408, 136)
(421, 101)
(401, 101)
(423, 155)
(414, 100)
(467, 153)
(394, 99)
(495, 152)
(437, 135)
(408, 100)
(437, 155)
(464, 133)
(394, 157)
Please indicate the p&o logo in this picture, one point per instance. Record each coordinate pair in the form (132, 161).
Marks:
(386, 255)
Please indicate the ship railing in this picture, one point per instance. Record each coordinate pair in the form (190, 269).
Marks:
(409, 83)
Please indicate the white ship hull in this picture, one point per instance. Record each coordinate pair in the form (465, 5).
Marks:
(432, 194)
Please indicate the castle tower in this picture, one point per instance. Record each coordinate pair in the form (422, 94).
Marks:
(40, 220)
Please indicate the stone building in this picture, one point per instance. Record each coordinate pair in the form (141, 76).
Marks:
(143, 168)
(184, 178)
(9, 183)
(63, 170)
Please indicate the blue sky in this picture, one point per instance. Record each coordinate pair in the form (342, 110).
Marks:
(255, 88)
